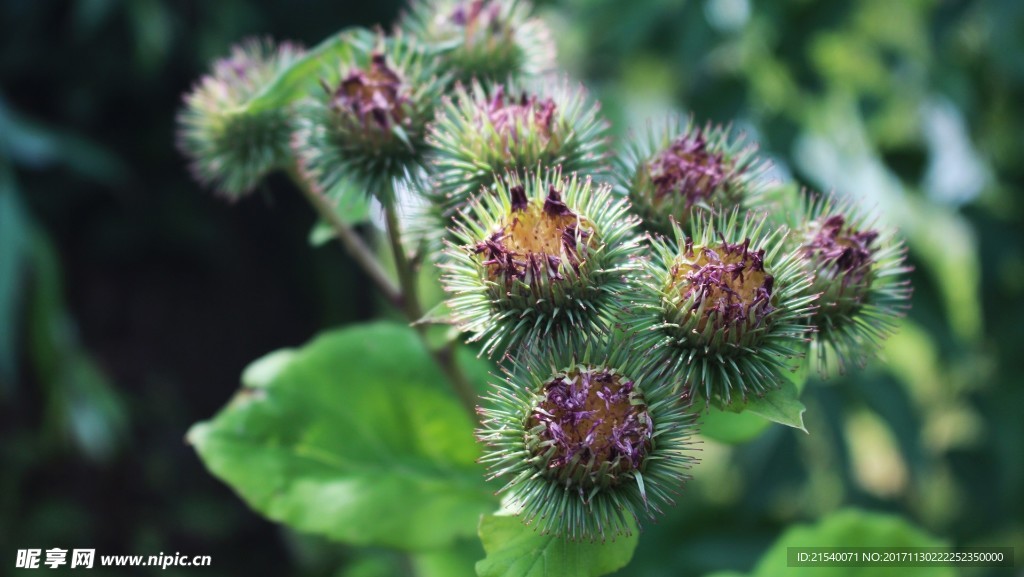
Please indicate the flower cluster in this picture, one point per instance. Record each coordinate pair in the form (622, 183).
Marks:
(614, 290)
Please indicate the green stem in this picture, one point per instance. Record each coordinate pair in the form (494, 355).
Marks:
(406, 274)
(404, 296)
(352, 242)
(444, 356)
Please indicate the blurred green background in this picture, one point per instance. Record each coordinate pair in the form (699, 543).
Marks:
(130, 299)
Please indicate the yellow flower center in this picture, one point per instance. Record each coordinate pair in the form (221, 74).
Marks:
(728, 282)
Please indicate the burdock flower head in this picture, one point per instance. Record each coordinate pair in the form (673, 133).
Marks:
(542, 255)
(368, 124)
(858, 268)
(481, 133)
(230, 144)
(676, 171)
(489, 40)
(727, 307)
(588, 436)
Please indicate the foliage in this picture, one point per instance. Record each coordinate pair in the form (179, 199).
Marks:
(377, 457)
(516, 550)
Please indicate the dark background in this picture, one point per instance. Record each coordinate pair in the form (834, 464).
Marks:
(169, 290)
(131, 299)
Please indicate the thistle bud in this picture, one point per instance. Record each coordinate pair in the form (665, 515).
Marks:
(679, 171)
(368, 123)
(230, 146)
(727, 307)
(480, 134)
(859, 271)
(542, 255)
(489, 40)
(586, 436)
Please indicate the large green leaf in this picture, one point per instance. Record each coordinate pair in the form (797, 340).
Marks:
(517, 550)
(353, 436)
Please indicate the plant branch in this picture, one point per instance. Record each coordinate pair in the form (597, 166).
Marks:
(406, 274)
(405, 295)
(444, 356)
(351, 240)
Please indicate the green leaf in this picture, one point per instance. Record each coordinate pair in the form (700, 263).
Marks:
(742, 422)
(321, 233)
(852, 528)
(355, 437)
(296, 81)
(265, 369)
(780, 406)
(374, 566)
(441, 314)
(731, 428)
(516, 550)
(454, 561)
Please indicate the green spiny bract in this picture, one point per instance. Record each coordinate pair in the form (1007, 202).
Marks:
(728, 306)
(858, 269)
(489, 40)
(541, 256)
(588, 436)
(368, 124)
(230, 147)
(482, 133)
(678, 171)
